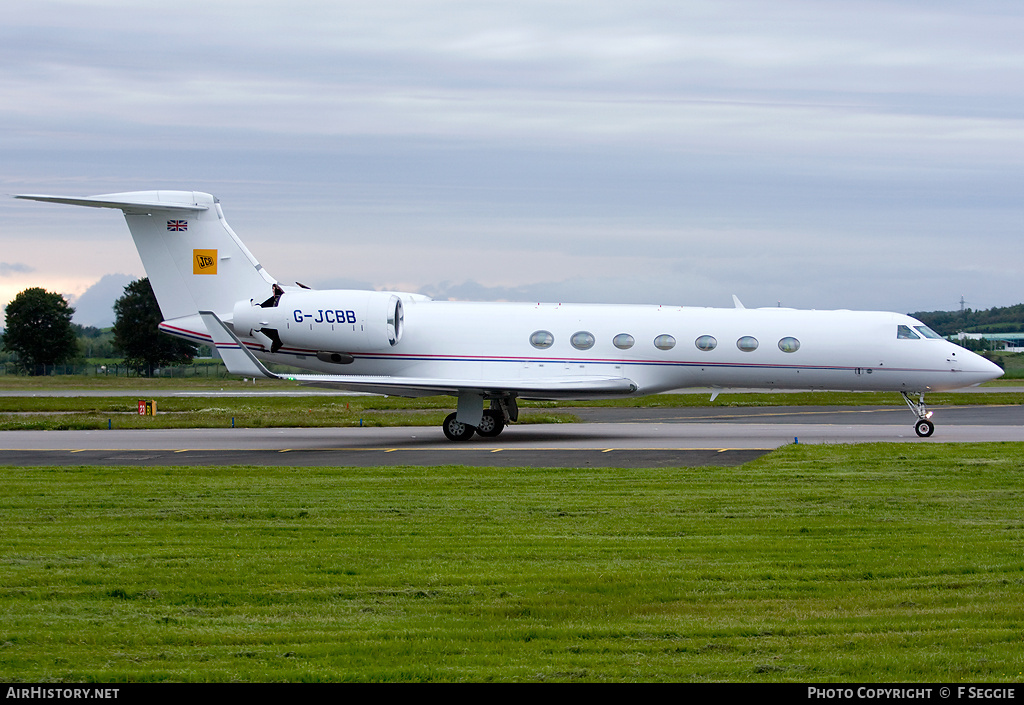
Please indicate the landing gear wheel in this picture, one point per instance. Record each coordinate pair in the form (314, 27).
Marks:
(923, 427)
(492, 424)
(455, 430)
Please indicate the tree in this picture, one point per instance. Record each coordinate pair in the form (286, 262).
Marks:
(39, 329)
(94, 342)
(137, 335)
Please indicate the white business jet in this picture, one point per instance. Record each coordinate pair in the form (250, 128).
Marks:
(212, 290)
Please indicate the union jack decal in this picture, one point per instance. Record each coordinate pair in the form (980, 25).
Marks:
(177, 225)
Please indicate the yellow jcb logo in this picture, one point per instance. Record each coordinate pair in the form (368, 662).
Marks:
(204, 261)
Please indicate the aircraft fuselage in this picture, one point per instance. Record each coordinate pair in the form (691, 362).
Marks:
(658, 347)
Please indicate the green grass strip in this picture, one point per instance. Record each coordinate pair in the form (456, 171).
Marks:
(813, 564)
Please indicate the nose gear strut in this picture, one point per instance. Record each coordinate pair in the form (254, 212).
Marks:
(924, 427)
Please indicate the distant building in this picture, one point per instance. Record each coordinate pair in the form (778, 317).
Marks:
(1010, 342)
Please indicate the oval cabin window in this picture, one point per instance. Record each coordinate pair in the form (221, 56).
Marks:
(582, 340)
(706, 343)
(747, 343)
(664, 342)
(542, 340)
(623, 341)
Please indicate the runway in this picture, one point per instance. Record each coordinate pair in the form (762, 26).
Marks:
(658, 437)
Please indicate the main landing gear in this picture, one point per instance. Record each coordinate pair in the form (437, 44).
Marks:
(491, 424)
(924, 427)
(491, 421)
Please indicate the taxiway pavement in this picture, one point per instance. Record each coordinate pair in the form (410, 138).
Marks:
(613, 437)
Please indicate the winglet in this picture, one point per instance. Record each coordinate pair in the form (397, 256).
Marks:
(736, 302)
(237, 358)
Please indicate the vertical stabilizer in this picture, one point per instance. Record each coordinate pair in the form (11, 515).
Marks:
(194, 260)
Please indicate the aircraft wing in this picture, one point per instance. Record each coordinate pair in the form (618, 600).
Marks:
(554, 388)
(240, 360)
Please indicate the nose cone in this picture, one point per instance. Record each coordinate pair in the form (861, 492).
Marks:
(977, 369)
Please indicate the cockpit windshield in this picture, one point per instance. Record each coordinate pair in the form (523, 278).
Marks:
(907, 333)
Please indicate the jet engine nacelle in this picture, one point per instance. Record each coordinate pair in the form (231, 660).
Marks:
(332, 320)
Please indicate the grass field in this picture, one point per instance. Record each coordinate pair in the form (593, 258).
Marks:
(69, 413)
(812, 564)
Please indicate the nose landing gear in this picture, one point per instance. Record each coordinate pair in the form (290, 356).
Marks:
(924, 427)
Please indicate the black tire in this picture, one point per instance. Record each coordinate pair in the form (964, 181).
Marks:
(924, 428)
(492, 424)
(455, 430)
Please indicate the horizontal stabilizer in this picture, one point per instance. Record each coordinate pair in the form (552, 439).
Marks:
(136, 201)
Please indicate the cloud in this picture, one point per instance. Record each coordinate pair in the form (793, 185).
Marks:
(10, 268)
(95, 307)
(855, 154)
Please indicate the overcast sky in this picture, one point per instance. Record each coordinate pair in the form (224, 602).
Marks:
(823, 154)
